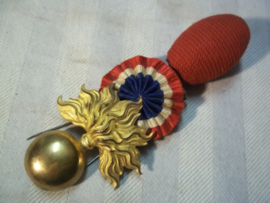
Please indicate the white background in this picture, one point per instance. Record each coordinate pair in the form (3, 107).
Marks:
(219, 152)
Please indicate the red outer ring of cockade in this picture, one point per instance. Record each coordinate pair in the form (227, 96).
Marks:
(173, 81)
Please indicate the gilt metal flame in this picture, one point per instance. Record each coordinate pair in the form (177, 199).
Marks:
(110, 125)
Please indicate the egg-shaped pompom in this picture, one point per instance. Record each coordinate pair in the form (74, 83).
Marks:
(209, 48)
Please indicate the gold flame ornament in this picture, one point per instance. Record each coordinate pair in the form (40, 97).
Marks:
(55, 160)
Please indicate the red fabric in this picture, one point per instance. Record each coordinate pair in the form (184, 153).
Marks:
(209, 48)
(173, 81)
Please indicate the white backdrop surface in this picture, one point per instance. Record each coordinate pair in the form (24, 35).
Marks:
(219, 152)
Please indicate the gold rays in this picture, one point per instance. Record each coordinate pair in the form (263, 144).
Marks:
(110, 125)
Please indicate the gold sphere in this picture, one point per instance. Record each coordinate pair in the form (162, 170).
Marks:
(55, 160)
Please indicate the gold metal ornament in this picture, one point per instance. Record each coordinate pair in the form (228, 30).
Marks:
(55, 160)
(110, 125)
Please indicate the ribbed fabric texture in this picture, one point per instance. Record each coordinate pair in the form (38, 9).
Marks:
(209, 48)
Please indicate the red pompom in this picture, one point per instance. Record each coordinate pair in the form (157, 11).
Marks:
(209, 48)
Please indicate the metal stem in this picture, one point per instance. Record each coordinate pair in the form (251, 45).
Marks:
(55, 128)
(92, 161)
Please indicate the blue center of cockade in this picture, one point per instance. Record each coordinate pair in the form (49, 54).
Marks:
(145, 87)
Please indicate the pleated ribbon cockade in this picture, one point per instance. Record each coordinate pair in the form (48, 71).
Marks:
(158, 86)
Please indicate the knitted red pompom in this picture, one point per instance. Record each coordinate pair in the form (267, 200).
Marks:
(209, 48)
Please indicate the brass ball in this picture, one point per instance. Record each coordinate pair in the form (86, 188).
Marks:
(55, 160)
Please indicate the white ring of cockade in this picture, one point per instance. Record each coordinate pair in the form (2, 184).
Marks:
(164, 86)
